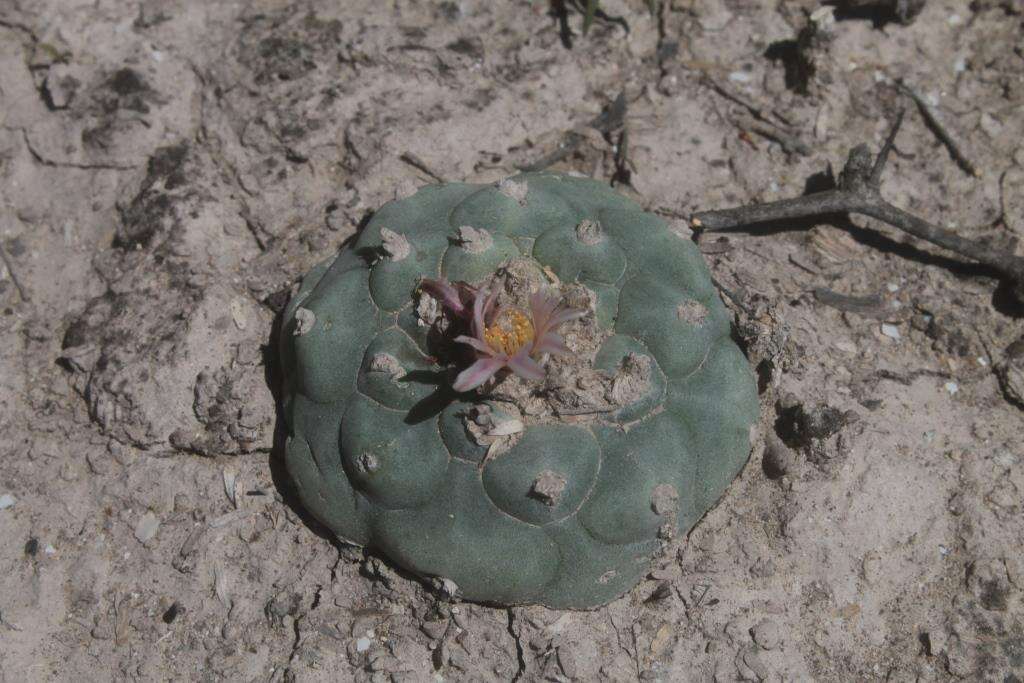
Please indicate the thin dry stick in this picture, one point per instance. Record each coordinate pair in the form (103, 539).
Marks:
(420, 165)
(610, 118)
(944, 136)
(14, 276)
(791, 144)
(859, 191)
(742, 100)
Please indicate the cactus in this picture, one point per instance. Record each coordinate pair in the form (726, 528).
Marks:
(521, 389)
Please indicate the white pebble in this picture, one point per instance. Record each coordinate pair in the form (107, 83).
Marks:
(845, 346)
(147, 527)
(7, 500)
(1006, 460)
(363, 644)
(982, 361)
(893, 287)
(740, 77)
(890, 331)
(952, 388)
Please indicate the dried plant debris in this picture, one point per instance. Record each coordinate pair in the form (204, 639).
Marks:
(859, 191)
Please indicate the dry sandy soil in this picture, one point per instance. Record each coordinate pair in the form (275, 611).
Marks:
(170, 168)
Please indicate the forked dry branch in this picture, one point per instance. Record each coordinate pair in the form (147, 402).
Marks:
(859, 191)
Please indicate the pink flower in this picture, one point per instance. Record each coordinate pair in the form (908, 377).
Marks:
(505, 337)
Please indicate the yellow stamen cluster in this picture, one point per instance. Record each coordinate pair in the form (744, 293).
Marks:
(512, 330)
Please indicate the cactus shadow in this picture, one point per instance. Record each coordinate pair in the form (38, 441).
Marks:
(431, 405)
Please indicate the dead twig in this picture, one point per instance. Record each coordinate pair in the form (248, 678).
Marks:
(14, 277)
(791, 144)
(931, 118)
(744, 101)
(610, 119)
(859, 191)
(872, 306)
(760, 119)
(420, 165)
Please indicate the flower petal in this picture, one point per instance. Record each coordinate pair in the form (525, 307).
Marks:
(541, 307)
(477, 373)
(480, 346)
(489, 309)
(551, 343)
(443, 291)
(564, 315)
(526, 367)
(478, 313)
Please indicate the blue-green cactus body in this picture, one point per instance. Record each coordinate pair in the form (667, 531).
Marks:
(380, 451)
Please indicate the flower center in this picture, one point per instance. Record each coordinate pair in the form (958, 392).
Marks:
(510, 331)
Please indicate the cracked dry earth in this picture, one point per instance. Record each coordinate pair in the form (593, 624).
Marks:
(170, 168)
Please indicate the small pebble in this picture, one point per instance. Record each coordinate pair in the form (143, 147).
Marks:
(990, 125)
(363, 644)
(890, 331)
(237, 307)
(230, 485)
(845, 345)
(147, 527)
(952, 388)
(871, 567)
(7, 500)
(1006, 460)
